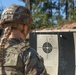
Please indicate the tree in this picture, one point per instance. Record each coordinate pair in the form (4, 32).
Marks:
(47, 13)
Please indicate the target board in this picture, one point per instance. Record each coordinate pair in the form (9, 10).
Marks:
(58, 50)
(47, 47)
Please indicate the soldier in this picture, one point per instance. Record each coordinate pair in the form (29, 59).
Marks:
(16, 57)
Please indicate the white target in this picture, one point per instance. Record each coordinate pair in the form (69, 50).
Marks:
(47, 47)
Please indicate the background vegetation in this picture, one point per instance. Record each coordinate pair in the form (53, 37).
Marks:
(47, 13)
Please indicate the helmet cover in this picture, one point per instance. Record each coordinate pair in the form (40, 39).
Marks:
(16, 14)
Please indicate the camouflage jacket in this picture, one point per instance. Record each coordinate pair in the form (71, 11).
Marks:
(20, 59)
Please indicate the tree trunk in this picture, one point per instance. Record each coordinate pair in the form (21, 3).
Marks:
(66, 9)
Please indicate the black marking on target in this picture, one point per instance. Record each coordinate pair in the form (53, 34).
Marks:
(47, 47)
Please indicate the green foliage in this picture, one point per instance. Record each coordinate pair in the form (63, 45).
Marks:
(47, 13)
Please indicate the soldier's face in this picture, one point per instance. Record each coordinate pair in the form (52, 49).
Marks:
(24, 29)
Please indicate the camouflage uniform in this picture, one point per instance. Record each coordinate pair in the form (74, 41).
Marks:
(18, 57)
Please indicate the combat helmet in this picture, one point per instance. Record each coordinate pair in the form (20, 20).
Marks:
(16, 14)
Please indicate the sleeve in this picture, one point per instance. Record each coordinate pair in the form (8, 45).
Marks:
(33, 65)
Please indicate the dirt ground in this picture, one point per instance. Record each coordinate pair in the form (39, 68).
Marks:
(66, 26)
